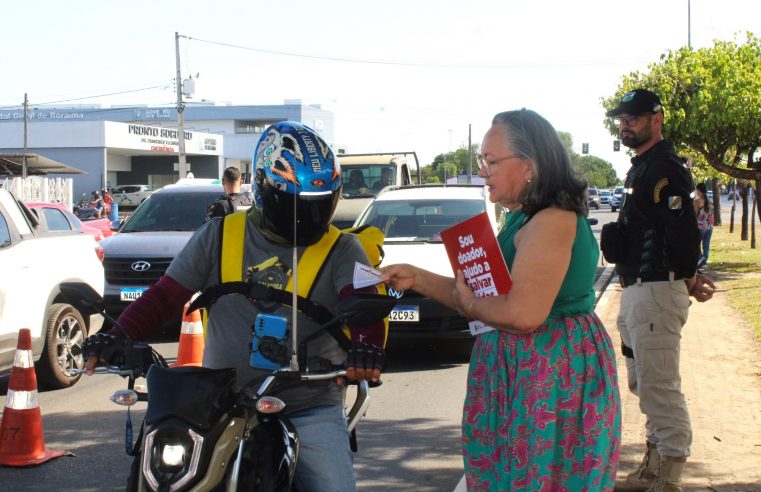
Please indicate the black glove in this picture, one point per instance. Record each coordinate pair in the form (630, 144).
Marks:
(105, 346)
(367, 356)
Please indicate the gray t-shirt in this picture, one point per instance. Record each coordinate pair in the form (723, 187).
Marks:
(231, 318)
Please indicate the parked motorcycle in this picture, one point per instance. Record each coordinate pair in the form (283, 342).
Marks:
(83, 210)
(199, 431)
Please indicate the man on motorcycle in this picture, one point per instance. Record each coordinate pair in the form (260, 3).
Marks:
(296, 179)
(97, 203)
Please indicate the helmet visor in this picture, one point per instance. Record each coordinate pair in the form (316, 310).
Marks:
(313, 213)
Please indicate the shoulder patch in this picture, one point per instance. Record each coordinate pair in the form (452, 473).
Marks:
(662, 183)
(675, 203)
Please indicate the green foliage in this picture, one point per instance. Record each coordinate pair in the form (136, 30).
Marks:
(567, 140)
(712, 100)
(599, 172)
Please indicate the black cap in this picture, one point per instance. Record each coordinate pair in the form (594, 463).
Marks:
(636, 102)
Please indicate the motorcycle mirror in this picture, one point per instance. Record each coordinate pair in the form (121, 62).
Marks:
(88, 302)
(362, 308)
(83, 297)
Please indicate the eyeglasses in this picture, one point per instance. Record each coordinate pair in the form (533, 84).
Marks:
(630, 120)
(488, 165)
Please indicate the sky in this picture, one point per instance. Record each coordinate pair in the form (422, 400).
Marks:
(399, 75)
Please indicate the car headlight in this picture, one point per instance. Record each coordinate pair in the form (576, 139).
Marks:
(171, 455)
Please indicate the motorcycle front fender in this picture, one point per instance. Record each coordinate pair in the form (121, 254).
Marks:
(269, 455)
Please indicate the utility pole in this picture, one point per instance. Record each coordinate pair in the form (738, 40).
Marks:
(181, 165)
(26, 118)
(689, 26)
(470, 154)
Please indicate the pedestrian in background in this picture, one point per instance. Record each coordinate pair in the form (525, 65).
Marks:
(542, 408)
(655, 246)
(233, 199)
(704, 211)
(107, 201)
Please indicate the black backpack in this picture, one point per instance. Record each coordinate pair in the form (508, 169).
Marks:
(227, 204)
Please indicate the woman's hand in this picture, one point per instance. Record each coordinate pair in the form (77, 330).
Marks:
(462, 296)
(399, 277)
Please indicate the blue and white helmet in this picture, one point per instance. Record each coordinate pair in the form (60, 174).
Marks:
(295, 167)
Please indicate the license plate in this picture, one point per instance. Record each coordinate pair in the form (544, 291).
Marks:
(405, 314)
(129, 295)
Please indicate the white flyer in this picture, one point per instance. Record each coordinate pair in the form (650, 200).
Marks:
(365, 276)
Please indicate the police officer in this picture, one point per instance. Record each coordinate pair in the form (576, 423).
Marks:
(655, 245)
(233, 197)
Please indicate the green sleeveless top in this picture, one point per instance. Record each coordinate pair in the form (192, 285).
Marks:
(577, 291)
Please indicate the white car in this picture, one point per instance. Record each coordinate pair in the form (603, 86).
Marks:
(130, 195)
(412, 218)
(36, 263)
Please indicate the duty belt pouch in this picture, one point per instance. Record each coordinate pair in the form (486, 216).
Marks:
(613, 242)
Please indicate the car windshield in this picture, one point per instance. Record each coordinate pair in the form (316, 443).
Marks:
(365, 180)
(171, 212)
(419, 220)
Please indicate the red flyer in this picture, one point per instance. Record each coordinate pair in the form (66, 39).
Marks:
(472, 247)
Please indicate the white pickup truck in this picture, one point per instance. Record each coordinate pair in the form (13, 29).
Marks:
(33, 264)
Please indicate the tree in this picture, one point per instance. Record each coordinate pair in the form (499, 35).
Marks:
(599, 172)
(712, 98)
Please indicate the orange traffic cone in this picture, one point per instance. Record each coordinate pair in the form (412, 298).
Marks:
(190, 351)
(22, 442)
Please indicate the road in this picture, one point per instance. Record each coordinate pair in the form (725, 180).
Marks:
(410, 439)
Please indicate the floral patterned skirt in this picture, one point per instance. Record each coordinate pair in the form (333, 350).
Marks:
(542, 411)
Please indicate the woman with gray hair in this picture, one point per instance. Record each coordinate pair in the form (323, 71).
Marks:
(542, 409)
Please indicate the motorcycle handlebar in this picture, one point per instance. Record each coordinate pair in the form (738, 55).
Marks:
(103, 370)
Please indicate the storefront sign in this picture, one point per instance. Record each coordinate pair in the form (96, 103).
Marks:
(159, 139)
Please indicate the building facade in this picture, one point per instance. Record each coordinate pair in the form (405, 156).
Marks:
(138, 145)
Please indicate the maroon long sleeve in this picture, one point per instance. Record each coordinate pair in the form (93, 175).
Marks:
(374, 333)
(146, 315)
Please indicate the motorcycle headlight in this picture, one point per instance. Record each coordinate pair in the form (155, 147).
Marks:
(171, 455)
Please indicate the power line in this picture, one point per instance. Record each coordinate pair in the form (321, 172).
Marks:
(416, 64)
(164, 86)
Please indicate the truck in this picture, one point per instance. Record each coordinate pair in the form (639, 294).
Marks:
(364, 175)
(35, 262)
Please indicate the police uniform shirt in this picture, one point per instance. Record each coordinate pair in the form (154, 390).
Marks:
(659, 220)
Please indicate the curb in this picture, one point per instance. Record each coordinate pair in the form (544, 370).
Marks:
(602, 283)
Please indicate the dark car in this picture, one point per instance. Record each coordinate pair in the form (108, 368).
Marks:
(147, 242)
(593, 197)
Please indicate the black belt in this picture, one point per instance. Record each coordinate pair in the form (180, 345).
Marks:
(627, 280)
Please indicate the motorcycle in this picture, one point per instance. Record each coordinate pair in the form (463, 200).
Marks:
(83, 210)
(239, 439)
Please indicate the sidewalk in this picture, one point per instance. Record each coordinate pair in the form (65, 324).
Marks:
(721, 379)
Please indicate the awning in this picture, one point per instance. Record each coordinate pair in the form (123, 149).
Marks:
(36, 165)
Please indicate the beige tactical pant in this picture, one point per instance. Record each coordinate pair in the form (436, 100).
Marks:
(650, 321)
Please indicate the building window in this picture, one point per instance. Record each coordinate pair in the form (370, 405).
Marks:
(252, 126)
